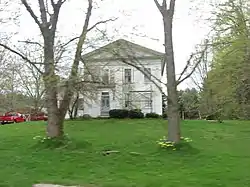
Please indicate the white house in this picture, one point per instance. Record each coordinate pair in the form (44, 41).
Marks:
(126, 76)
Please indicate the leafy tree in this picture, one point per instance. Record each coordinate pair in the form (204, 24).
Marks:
(227, 84)
(189, 103)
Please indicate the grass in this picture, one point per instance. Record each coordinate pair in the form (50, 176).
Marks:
(220, 155)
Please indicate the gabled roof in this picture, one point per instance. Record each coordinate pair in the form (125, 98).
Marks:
(122, 44)
(123, 49)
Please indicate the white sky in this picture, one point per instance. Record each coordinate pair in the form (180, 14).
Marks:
(140, 14)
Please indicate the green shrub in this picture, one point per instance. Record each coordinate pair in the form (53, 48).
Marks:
(123, 113)
(135, 114)
(152, 115)
(191, 115)
(118, 113)
(165, 115)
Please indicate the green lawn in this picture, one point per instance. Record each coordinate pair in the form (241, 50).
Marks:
(220, 155)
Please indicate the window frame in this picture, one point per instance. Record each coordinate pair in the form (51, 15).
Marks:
(126, 77)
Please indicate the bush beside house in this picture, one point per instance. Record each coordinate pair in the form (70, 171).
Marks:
(123, 113)
(152, 115)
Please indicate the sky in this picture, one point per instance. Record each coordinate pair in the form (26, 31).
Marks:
(138, 21)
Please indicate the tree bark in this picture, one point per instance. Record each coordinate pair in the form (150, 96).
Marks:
(76, 105)
(55, 120)
(173, 112)
(167, 12)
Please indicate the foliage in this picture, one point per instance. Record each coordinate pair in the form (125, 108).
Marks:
(123, 113)
(153, 167)
(152, 115)
(214, 116)
(135, 114)
(189, 101)
(118, 113)
(166, 144)
(226, 88)
(165, 115)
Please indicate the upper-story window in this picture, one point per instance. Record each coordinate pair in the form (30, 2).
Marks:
(112, 76)
(127, 76)
(147, 75)
(105, 76)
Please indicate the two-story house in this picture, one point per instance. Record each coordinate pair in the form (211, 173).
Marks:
(126, 76)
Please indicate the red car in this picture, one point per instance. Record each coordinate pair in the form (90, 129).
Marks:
(12, 117)
(38, 118)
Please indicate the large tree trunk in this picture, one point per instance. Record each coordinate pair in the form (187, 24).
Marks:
(173, 112)
(55, 119)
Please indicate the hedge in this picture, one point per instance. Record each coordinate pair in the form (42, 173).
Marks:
(152, 115)
(123, 113)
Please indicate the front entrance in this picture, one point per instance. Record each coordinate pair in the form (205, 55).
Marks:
(105, 104)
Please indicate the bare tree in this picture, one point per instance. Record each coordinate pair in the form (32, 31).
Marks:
(47, 24)
(167, 12)
(200, 74)
(32, 84)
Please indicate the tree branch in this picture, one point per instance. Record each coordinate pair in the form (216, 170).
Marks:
(71, 40)
(29, 9)
(25, 84)
(74, 70)
(194, 68)
(29, 42)
(160, 8)
(133, 61)
(171, 8)
(22, 56)
(186, 67)
(43, 13)
(101, 22)
(55, 15)
(52, 3)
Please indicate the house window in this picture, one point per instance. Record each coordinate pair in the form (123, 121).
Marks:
(127, 77)
(112, 76)
(127, 100)
(147, 100)
(80, 104)
(148, 104)
(105, 100)
(105, 76)
(147, 75)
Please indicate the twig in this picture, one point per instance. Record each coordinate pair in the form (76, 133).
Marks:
(180, 79)
(29, 42)
(22, 56)
(100, 22)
